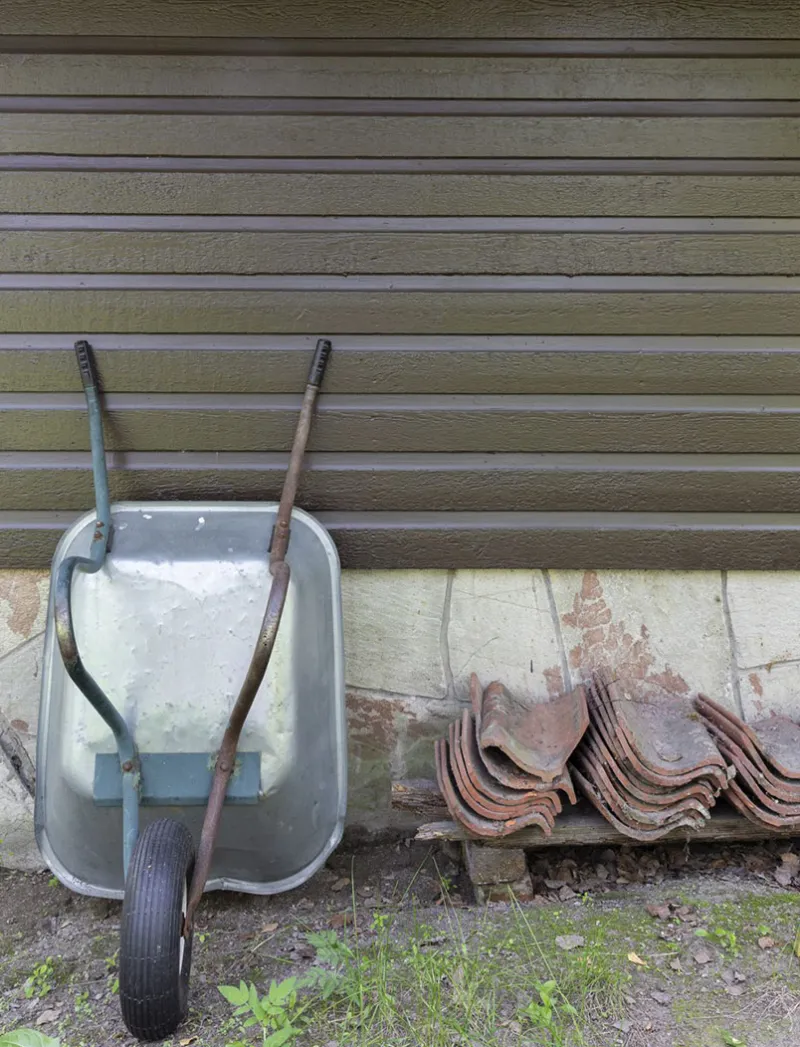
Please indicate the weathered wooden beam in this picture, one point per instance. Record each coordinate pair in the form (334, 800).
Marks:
(576, 827)
(419, 796)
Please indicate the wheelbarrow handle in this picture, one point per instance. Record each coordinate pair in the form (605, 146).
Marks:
(62, 606)
(320, 362)
(280, 535)
(265, 642)
(86, 366)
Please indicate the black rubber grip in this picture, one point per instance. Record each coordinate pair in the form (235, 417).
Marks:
(83, 351)
(320, 362)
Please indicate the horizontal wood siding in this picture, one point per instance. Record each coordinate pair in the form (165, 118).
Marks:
(365, 482)
(549, 19)
(391, 424)
(556, 245)
(480, 365)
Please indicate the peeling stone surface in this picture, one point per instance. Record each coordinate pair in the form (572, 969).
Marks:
(20, 673)
(765, 621)
(20, 681)
(664, 632)
(765, 615)
(393, 631)
(390, 736)
(23, 607)
(18, 848)
(501, 627)
(776, 690)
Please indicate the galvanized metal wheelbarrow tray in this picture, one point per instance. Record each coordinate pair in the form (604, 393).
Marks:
(157, 616)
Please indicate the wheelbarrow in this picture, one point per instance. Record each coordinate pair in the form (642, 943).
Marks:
(156, 617)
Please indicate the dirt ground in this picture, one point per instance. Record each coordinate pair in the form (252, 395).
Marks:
(664, 947)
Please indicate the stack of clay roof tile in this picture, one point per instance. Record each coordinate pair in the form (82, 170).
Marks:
(766, 755)
(647, 764)
(503, 767)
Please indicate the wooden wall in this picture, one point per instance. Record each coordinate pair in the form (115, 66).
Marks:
(556, 246)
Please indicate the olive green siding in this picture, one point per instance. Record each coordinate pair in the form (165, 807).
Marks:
(556, 246)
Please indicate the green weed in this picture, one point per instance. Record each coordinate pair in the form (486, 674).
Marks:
(547, 1012)
(82, 1005)
(277, 1012)
(724, 938)
(40, 981)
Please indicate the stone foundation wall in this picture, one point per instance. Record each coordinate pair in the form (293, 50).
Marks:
(412, 638)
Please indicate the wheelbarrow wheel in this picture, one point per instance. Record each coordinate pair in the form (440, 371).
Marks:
(154, 958)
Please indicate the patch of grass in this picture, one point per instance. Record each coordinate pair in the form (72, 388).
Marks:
(494, 981)
(749, 915)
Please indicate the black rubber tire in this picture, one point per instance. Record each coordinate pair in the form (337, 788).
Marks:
(153, 979)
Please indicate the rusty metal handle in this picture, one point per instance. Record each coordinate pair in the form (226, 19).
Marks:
(265, 642)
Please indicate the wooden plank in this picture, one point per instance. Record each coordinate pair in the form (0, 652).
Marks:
(394, 47)
(408, 283)
(569, 541)
(420, 797)
(380, 364)
(582, 827)
(368, 193)
(562, 166)
(576, 541)
(452, 18)
(538, 108)
(594, 225)
(577, 826)
(406, 47)
(391, 76)
(408, 482)
(410, 136)
(393, 313)
(481, 424)
(391, 252)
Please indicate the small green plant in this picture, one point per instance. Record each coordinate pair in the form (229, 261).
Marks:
(724, 938)
(53, 881)
(337, 957)
(40, 981)
(82, 1005)
(544, 1013)
(731, 1041)
(277, 1012)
